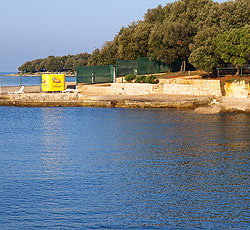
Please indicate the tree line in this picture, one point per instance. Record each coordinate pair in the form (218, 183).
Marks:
(55, 64)
(203, 33)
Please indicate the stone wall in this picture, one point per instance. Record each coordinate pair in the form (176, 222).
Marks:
(239, 89)
(103, 89)
(131, 89)
(193, 87)
(121, 89)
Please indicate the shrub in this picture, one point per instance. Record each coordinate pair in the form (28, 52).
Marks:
(140, 79)
(130, 78)
(150, 79)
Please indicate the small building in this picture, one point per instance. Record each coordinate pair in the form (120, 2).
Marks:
(53, 82)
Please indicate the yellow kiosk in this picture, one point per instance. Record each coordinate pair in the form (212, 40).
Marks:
(53, 82)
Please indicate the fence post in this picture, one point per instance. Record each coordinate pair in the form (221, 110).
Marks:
(41, 82)
(114, 78)
(20, 82)
(93, 78)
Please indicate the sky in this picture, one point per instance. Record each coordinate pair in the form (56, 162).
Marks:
(32, 29)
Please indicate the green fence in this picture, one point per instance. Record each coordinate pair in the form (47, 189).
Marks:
(95, 74)
(125, 67)
(147, 66)
(141, 65)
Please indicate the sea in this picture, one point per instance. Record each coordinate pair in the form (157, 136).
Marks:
(114, 168)
(22, 80)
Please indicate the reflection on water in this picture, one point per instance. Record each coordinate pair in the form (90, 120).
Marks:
(53, 140)
(88, 168)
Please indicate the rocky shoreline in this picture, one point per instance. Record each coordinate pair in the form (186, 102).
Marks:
(201, 104)
(33, 97)
(81, 100)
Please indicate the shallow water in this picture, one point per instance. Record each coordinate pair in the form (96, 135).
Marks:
(94, 168)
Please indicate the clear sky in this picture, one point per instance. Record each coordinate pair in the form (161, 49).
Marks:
(32, 29)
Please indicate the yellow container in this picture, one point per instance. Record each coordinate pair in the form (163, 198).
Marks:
(53, 82)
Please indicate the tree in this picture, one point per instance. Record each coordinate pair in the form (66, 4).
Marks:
(69, 63)
(189, 11)
(170, 42)
(203, 55)
(94, 58)
(109, 53)
(25, 66)
(234, 14)
(234, 46)
(133, 41)
(54, 64)
(156, 15)
(79, 62)
(83, 56)
(182, 30)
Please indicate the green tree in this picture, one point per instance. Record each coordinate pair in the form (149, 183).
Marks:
(191, 12)
(69, 63)
(109, 53)
(54, 64)
(94, 58)
(133, 41)
(79, 62)
(234, 46)
(42, 65)
(234, 14)
(203, 55)
(25, 67)
(182, 30)
(156, 15)
(170, 42)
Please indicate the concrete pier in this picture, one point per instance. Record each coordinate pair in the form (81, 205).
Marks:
(81, 100)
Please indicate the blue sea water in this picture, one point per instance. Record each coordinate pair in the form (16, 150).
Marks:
(96, 168)
(25, 81)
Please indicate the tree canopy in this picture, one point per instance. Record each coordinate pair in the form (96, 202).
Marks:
(55, 64)
(187, 31)
(234, 46)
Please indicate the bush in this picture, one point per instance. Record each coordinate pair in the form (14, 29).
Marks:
(130, 78)
(150, 79)
(140, 79)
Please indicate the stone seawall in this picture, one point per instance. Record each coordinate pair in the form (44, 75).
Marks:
(194, 87)
(81, 100)
(132, 89)
(118, 89)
